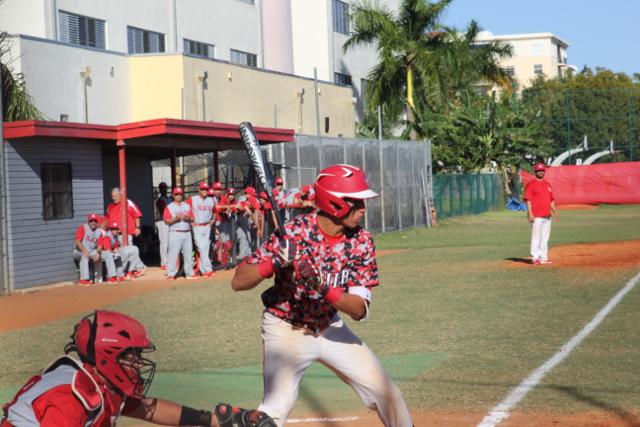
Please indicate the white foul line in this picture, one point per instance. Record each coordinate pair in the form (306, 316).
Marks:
(501, 411)
(320, 420)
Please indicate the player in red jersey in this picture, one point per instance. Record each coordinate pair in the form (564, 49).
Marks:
(540, 207)
(325, 264)
(110, 379)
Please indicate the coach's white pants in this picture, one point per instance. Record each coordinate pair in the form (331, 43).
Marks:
(540, 232)
(163, 237)
(180, 242)
(288, 352)
(83, 261)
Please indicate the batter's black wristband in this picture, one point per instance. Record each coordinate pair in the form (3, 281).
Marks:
(194, 417)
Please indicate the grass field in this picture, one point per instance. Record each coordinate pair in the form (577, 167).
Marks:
(456, 324)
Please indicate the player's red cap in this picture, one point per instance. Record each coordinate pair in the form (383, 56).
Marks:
(263, 195)
(114, 226)
(339, 182)
(231, 190)
(278, 181)
(203, 186)
(250, 190)
(178, 190)
(539, 167)
(210, 192)
(217, 186)
(305, 189)
(92, 217)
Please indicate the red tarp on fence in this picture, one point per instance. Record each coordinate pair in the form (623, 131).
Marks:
(615, 183)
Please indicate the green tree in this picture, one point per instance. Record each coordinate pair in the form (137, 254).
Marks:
(16, 102)
(405, 45)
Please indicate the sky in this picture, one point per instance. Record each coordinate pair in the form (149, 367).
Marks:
(599, 33)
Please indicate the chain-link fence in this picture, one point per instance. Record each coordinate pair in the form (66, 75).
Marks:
(456, 195)
(602, 115)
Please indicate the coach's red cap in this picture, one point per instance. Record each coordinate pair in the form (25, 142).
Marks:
(178, 190)
(203, 186)
(114, 226)
(92, 217)
(217, 186)
(279, 181)
(539, 167)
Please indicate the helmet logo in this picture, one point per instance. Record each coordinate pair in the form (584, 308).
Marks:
(347, 172)
(109, 340)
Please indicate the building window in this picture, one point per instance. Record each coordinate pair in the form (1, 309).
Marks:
(342, 79)
(57, 194)
(144, 41)
(537, 69)
(510, 70)
(244, 58)
(340, 17)
(82, 30)
(203, 50)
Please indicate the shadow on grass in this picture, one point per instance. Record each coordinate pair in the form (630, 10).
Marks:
(520, 260)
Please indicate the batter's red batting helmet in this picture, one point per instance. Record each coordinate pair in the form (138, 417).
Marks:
(114, 343)
(339, 182)
(539, 167)
(177, 190)
(278, 181)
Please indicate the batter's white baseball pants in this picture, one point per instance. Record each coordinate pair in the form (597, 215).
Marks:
(288, 352)
(163, 237)
(180, 241)
(540, 232)
(201, 235)
(83, 261)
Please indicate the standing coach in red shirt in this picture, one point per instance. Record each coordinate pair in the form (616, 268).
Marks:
(540, 207)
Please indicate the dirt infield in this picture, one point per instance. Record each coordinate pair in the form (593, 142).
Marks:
(589, 255)
(26, 309)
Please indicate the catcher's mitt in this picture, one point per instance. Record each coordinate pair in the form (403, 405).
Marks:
(231, 416)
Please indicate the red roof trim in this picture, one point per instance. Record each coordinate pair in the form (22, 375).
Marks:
(158, 127)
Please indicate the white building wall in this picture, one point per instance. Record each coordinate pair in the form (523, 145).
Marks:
(52, 74)
(310, 24)
(23, 17)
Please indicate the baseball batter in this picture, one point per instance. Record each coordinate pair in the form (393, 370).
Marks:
(108, 379)
(325, 264)
(540, 207)
(202, 208)
(87, 247)
(161, 228)
(179, 216)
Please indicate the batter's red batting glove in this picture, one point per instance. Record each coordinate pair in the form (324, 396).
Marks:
(284, 253)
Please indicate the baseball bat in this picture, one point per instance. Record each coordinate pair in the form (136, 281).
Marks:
(262, 171)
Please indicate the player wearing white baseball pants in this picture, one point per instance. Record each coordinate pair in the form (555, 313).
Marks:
(163, 237)
(130, 255)
(83, 261)
(180, 241)
(113, 263)
(201, 236)
(289, 350)
(243, 233)
(540, 232)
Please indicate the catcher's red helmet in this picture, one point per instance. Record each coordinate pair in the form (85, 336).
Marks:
(114, 343)
(539, 167)
(339, 182)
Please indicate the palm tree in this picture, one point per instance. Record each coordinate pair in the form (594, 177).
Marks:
(405, 47)
(16, 102)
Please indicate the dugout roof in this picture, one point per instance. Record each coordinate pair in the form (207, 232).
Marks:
(155, 139)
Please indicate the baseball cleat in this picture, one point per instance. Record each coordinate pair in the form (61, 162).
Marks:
(85, 282)
(211, 274)
(547, 262)
(163, 267)
(112, 280)
(536, 262)
(192, 277)
(140, 273)
(121, 279)
(128, 276)
(171, 277)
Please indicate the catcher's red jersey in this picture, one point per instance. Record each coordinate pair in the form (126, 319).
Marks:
(348, 262)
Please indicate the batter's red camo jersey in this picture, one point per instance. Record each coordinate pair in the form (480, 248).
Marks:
(348, 262)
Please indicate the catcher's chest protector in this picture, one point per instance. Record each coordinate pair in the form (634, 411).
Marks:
(63, 371)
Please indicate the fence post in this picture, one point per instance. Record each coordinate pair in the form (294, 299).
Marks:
(384, 227)
(298, 161)
(413, 188)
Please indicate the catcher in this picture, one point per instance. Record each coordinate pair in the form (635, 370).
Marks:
(110, 379)
(324, 265)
